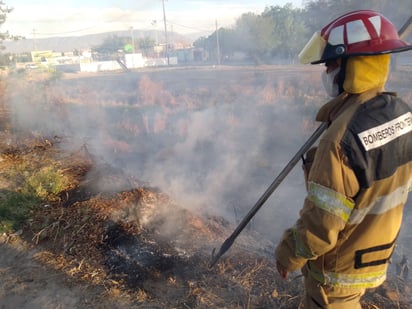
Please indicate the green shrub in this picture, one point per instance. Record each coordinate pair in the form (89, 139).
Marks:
(14, 210)
(45, 183)
(33, 187)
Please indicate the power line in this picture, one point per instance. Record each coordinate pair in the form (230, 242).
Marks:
(190, 27)
(166, 22)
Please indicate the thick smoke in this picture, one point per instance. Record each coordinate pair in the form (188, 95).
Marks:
(213, 139)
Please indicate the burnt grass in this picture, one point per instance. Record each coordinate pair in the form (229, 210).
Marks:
(138, 258)
(145, 269)
(113, 239)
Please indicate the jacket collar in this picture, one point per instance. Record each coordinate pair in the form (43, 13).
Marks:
(332, 109)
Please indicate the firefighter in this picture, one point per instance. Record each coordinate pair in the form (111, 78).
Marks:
(361, 171)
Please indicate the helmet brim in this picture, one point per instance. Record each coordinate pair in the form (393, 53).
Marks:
(313, 50)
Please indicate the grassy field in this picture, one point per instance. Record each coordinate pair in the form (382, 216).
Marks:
(115, 188)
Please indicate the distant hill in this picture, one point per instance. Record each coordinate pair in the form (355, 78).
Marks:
(66, 44)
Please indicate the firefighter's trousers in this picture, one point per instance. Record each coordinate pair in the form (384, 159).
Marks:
(328, 297)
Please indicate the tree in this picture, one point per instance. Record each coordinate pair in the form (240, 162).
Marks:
(111, 45)
(256, 35)
(289, 30)
(228, 42)
(145, 44)
(5, 59)
(279, 32)
(4, 10)
(318, 13)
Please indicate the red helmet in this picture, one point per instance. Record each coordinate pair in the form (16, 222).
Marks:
(362, 32)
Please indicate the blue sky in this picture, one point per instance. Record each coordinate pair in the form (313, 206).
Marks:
(42, 18)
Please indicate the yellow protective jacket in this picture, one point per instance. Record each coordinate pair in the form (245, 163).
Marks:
(357, 187)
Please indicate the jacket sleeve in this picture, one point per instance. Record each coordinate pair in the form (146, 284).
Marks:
(326, 209)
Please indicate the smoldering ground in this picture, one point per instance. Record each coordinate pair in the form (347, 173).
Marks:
(212, 138)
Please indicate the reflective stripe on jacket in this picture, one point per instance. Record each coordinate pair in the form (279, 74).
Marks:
(357, 187)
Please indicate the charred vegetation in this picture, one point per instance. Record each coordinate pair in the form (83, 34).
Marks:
(96, 217)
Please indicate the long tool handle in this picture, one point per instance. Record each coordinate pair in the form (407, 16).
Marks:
(229, 241)
(406, 28)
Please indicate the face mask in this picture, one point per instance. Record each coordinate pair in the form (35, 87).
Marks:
(328, 80)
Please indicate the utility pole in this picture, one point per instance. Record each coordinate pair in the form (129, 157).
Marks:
(154, 23)
(217, 45)
(132, 36)
(171, 38)
(34, 39)
(167, 41)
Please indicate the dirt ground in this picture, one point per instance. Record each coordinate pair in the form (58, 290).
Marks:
(116, 249)
(89, 255)
(28, 283)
